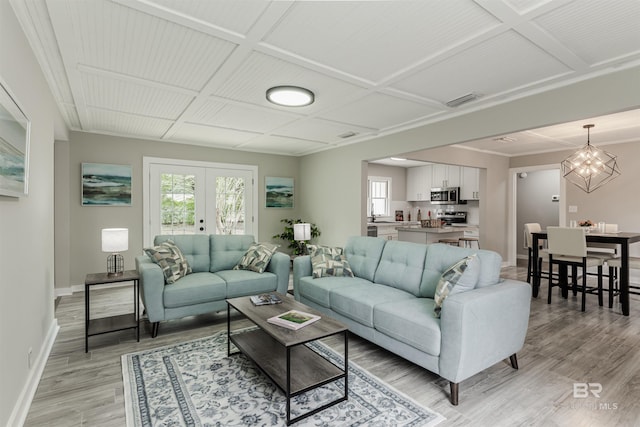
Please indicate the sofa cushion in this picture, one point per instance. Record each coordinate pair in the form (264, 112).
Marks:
(170, 259)
(440, 257)
(460, 277)
(257, 257)
(195, 249)
(328, 261)
(410, 321)
(195, 288)
(358, 301)
(363, 254)
(319, 290)
(401, 266)
(245, 282)
(227, 250)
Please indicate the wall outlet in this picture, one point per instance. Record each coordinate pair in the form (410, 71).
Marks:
(29, 354)
(573, 209)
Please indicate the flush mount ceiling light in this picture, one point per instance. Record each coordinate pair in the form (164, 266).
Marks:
(590, 167)
(398, 159)
(290, 96)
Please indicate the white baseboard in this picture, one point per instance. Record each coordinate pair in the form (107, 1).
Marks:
(20, 411)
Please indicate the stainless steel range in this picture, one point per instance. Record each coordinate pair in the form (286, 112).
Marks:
(452, 217)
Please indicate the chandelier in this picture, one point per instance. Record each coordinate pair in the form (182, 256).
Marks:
(590, 167)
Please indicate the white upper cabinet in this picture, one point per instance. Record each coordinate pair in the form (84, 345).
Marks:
(470, 183)
(419, 183)
(445, 176)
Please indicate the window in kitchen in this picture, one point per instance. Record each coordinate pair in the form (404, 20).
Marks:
(379, 197)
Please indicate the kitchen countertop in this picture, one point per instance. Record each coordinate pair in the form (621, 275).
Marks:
(440, 230)
(393, 223)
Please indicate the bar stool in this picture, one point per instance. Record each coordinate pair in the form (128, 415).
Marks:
(467, 242)
(614, 264)
(453, 242)
(568, 247)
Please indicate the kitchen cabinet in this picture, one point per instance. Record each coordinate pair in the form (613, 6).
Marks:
(445, 176)
(470, 183)
(419, 183)
(388, 232)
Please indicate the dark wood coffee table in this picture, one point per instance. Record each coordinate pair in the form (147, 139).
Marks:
(279, 351)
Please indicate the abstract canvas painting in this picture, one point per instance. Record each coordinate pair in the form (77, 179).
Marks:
(106, 184)
(279, 192)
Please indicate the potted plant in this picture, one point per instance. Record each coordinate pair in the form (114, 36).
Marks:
(297, 247)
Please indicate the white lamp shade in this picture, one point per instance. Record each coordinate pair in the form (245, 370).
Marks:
(115, 239)
(302, 231)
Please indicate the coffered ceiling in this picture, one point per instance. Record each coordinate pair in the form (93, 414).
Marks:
(196, 71)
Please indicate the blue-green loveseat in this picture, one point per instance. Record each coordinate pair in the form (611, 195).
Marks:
(213, 280)
(390, 301)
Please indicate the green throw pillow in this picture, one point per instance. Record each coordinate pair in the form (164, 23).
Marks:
(170, 259)
(327, 261)
(460, 277)
(257, 257)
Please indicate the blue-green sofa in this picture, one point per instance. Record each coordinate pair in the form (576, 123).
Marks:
(213, 280)
(390, 301)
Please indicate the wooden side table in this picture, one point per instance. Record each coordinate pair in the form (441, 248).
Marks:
(105, 325)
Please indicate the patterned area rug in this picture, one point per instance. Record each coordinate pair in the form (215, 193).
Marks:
(196, 384)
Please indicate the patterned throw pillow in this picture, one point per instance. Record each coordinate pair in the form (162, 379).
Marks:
(327, 261)
(257, 257)
(170, 259)
(460, 277)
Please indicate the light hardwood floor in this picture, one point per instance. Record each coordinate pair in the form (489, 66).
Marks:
(564, 346)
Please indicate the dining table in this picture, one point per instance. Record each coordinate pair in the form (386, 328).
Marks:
(624, 239)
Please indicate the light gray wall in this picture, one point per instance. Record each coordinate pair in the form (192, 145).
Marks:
(26, 232)
(617, 202)
(83, 254)
(534, 202)
(335, 177)
(398, 177)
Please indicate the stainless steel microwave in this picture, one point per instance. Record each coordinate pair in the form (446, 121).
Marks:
(445, 196)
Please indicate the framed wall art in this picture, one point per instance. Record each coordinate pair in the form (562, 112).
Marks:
(14, 146)
(279, 192)
(106, 185)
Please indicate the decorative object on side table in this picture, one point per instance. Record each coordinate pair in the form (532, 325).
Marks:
(288, 234)
(115, 240)
(301, 234)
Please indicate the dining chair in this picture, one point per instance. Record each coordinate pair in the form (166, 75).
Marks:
(530, 228)
(567, 247)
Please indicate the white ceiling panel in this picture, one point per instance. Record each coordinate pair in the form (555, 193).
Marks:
(380, 111)
(321, 130)
(132, 98)
(196, 71)
(237, 16)
(112, 122)
(234, 116)
(499, 65)
(596, 30)
(383, 36)
(120, 39)
(215, 136)
(282, 145)
(260, 72)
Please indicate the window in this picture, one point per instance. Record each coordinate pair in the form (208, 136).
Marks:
(379, 198)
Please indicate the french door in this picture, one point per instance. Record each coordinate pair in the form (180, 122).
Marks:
(198, 198)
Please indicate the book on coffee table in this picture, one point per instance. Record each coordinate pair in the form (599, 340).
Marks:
(265, 299)
(293, 319)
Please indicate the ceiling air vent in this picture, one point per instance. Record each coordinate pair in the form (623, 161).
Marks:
(347, 135)
(463, 100)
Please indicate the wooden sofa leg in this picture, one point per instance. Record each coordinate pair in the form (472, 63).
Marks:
(514, 361)
(454, 393)
(154, 329)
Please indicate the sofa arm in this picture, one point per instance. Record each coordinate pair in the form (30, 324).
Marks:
(280, 266)
(481, 327)
(151, 287)
(301, 268)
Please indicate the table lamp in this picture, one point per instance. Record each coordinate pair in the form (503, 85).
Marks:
(115, 240)
(302, 233)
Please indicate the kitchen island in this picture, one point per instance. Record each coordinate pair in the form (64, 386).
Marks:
(431, 235)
